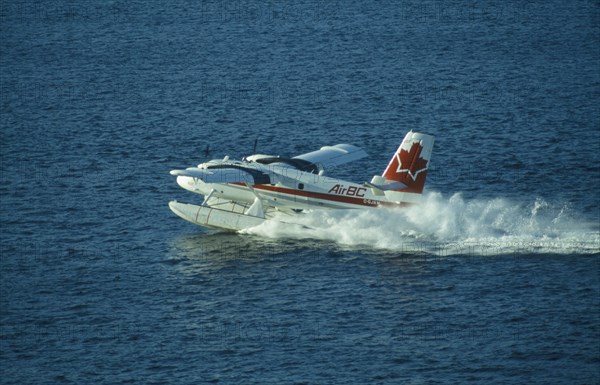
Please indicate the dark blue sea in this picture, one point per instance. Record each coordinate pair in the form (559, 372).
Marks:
(493, 279)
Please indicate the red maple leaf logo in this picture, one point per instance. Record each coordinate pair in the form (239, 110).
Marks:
(411, 161)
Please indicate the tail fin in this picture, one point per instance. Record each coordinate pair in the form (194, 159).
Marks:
(409, 165)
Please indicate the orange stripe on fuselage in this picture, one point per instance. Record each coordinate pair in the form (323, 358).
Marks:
(328, 197)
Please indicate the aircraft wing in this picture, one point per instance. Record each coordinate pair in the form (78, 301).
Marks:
(225, 174)
(330, 156)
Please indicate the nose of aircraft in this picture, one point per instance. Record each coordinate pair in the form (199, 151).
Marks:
(186, 182)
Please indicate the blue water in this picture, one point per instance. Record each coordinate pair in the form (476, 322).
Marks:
(494, 279)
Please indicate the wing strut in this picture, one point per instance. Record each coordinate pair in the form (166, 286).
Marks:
(206, 198)
(256, 209)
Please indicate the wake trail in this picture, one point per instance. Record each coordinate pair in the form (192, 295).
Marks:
(446, 226)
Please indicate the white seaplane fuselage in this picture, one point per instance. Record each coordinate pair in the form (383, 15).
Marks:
(241, 194)
(297, 190)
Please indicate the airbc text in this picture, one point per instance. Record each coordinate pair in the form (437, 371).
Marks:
(352, 191)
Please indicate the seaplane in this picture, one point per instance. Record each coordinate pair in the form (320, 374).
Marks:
(240, 194)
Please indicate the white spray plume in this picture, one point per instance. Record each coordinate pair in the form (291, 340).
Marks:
(452, 225)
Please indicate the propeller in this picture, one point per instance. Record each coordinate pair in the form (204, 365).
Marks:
(255, 144)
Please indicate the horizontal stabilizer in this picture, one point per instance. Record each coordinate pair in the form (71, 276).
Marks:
(387, 186)
(378, 189)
